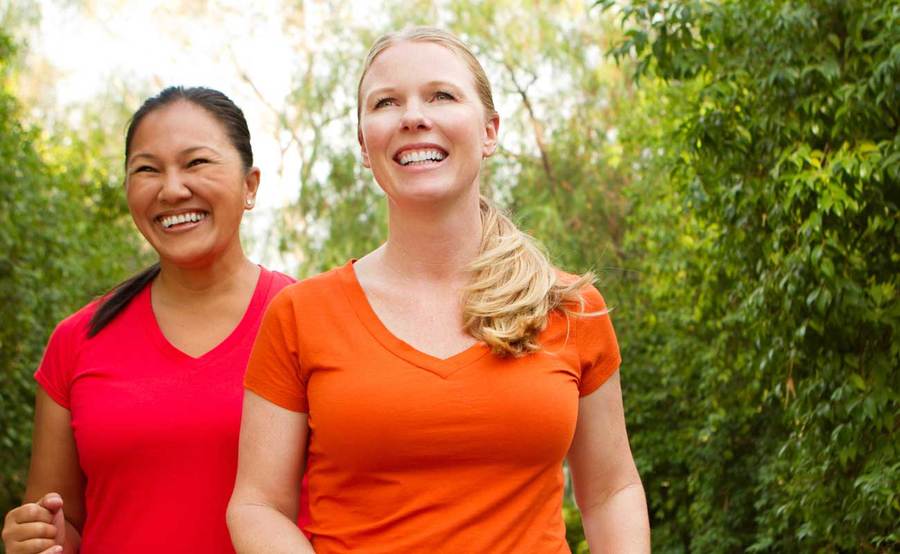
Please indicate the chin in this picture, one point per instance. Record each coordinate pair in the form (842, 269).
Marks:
(428, 195)
(194, 259)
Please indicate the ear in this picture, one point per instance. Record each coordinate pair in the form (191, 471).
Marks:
(251, 183)
(491, 129)
(362, 149)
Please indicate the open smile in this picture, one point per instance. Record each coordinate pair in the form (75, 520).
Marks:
(185, 219)
(420, 155)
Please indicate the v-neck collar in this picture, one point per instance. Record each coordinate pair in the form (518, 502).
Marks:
(442, 367)
(249, 319)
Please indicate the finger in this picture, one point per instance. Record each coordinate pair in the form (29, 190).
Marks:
(32, 546)
(30, 512)
(33, 530)
(53, 550)
(52, 501)
(59, 523)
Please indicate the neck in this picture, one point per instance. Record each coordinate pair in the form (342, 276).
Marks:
(434, 243)
(193, 284)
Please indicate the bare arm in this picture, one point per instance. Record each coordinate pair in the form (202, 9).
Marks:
(262, 513)
(608, 488)
(53, 511)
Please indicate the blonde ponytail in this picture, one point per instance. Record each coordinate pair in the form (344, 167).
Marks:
(514, 288)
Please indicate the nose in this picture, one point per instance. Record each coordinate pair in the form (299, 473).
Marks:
(414, 117)
(174, 188)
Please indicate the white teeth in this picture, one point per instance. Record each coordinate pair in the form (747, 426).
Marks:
(171, 220)
(418, 156)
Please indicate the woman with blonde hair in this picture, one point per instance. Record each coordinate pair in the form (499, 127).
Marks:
(433, 388)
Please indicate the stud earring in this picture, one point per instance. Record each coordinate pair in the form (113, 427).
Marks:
(250, 202)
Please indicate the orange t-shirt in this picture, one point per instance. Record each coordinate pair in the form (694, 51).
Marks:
(411, 453)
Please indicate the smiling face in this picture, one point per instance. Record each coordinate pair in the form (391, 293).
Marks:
(423, 129)
(186, 185)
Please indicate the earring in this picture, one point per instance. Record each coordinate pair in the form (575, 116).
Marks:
(250, 202)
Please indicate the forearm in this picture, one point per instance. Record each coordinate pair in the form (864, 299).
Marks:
(619, 524)
(262, 529)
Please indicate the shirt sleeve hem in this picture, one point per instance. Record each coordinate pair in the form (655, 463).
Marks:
(285, 401)
(51, 391)
(600, 374)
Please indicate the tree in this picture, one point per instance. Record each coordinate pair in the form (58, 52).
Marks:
(765, 151)
(65, 237)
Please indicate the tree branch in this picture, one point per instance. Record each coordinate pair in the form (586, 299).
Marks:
(535, 124)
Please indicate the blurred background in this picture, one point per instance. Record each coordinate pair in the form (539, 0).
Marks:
(730, 169)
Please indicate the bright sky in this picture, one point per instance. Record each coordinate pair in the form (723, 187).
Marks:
(187, 42)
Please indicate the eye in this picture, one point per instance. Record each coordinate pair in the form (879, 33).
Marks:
(444, 95)
(197, 161)
(143, 169)
(382, 102)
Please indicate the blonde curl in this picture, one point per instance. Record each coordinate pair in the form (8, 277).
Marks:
(514, 288)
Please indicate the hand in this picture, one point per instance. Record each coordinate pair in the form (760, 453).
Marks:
(36, 528)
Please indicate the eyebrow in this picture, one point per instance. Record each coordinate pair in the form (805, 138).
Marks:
(185, 152)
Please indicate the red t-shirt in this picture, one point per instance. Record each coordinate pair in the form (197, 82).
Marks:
(156, 429)
(412, 453)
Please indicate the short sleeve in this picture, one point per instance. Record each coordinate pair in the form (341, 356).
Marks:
(598, 350)
(274, 370)
(54, 374)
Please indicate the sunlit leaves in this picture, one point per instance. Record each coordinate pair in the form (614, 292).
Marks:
(65, 237)
(779, 132)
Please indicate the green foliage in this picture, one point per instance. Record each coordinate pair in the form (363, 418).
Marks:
(65, 237)
(345, 216)
(763, 343)
(745, 185)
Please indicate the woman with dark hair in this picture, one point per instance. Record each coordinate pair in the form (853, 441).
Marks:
(434, 387)
(137, 413)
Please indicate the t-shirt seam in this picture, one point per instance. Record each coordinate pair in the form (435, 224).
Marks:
(240, 335)
(604, 368)
(344, 282)
(385, 338)
(269, 277)
(575, 327)
(304, 378)
(263, 388)
(71, 330)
